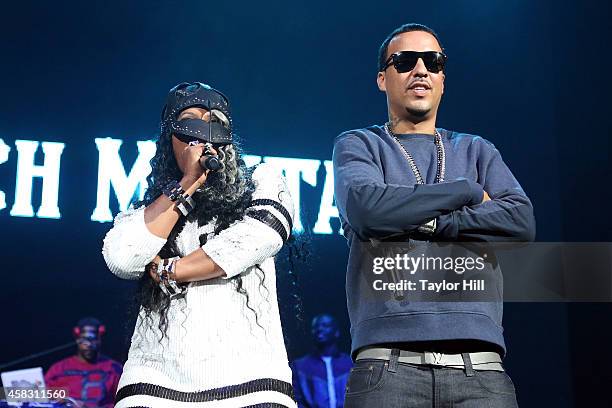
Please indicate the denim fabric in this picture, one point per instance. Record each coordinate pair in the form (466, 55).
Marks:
(372, 384)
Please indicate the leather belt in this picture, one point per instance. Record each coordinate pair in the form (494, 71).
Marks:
(480, 361)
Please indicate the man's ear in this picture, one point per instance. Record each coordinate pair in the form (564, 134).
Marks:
(380, 80)
(443, 78)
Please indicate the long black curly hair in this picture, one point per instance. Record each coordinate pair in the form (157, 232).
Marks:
(224, 197)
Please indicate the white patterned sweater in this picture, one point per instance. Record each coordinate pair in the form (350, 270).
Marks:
(213, 340)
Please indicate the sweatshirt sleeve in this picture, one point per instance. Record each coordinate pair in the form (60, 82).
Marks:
(375, 209)
(51, 375)
(129, 246)
(508, 216)
(262, 231)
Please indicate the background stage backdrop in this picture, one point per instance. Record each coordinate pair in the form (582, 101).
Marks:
(82, 85)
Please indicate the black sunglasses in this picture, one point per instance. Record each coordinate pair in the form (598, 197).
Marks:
(405, 61)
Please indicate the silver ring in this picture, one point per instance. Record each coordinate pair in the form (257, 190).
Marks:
(194, 143)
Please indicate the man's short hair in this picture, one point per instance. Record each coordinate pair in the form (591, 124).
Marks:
(382, 51)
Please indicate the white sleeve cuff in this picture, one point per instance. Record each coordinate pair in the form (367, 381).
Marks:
(129, 246)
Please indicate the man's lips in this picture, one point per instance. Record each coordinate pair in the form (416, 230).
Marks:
(419, 84)
(419, 88)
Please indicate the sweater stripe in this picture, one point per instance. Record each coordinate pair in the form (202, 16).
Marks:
(231, 391)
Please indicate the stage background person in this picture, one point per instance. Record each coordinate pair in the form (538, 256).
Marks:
(319, 378)
(89, 376)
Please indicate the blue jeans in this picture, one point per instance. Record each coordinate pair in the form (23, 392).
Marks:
(377, 384)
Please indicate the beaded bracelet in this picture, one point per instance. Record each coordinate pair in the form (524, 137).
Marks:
(167, 281)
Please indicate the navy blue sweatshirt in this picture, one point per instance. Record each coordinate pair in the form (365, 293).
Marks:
(377, 196)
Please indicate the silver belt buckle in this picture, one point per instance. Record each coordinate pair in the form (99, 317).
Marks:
(436, 359)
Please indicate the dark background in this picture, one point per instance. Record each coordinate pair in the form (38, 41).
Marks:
(532, 77)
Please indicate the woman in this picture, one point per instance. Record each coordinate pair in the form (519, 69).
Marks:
(203, 243)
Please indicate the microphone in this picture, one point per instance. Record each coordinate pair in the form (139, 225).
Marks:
(210, 162)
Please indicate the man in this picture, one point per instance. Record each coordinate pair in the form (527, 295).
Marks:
(410, 178)
(319, 378)
(89, 377)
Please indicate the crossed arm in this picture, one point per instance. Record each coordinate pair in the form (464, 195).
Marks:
(138, 235)
(375, 209)
(160, 217)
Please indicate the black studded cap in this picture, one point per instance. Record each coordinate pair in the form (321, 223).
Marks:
(196, 94)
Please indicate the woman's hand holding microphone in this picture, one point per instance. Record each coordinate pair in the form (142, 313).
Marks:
(194, 159)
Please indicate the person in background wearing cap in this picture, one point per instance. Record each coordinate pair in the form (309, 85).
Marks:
(89, 377)
(202, 243)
